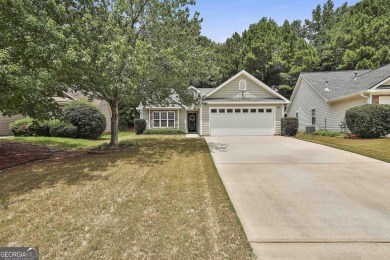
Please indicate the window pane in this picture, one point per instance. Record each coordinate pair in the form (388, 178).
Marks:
(156, 123)
(222, 111)
(268, 110)
(253, 110)
(171, 123)
(164, 115)
(237, 110)
(313, 112)
(245, 110)
(229, 110)
(313, 120)
(213, 111)
(261, 110)
(171, 115)
(163, 123)
(156, 115)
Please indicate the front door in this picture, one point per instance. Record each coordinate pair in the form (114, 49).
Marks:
(191, 121)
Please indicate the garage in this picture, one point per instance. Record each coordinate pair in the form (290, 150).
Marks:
(242, 121)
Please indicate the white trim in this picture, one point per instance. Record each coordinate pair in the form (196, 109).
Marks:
(197, 90)
(165, 108)
(167, 120)
(379, 91)
(201, 120)
(242, 103)
(243, 87)
(258, 82)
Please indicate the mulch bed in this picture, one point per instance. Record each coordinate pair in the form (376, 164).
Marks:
(14, 153)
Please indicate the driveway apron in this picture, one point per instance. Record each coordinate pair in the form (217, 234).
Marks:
(297, 199)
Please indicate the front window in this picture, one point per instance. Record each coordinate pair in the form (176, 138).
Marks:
(164, 119)
(313, 116)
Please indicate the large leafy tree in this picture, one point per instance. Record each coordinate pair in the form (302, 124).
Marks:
(122, 48)
(31, 47)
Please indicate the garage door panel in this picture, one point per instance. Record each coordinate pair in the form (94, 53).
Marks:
(242, 123)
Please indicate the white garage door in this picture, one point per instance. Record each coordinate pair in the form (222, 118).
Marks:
(241, 121)
(384, 100)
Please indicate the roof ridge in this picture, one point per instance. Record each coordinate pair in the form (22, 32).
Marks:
(373, 70)
(333, 71)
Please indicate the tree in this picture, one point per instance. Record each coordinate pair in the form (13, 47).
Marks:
(119, 49)
(31, 46)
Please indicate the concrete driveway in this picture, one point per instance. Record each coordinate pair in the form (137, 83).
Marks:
(301, 200)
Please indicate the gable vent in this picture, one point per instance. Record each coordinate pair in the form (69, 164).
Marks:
(242, 85)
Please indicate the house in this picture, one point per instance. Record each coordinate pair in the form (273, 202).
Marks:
(243, 105)
(321, 98)
(5, 121)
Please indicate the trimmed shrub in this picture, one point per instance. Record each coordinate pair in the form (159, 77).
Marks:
(369, 121)
(42, 128)
(62, 129)
(327, 133)
(164, 131)
(22, 127)
(139, 126)
(290, 126)
(88, 119)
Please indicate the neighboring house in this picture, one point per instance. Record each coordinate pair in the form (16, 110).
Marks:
(321, 98)
(61, 101)
(243, 105)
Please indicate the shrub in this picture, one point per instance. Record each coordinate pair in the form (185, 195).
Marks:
(22, 127)
(42, 128)
(369, 121)
(62, 129)
(289, 126)
(327, 133)
(139, 126)
(88, 119)
(164, 131)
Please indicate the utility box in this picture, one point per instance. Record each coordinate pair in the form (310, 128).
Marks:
(310, 129)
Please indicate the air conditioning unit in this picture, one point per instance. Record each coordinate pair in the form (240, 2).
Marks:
(310, 129)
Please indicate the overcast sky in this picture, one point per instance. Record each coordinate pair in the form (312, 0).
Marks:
(221, 18)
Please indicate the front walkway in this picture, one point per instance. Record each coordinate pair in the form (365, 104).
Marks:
(302, 200)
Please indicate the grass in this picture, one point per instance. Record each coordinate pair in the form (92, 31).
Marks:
(160, 199)
(374, 148)
(69, 143)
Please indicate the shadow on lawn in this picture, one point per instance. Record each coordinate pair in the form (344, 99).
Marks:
(146, 152)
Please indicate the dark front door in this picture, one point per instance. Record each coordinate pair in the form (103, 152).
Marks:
(191, 121)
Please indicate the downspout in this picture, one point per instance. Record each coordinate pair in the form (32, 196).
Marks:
(368, 98)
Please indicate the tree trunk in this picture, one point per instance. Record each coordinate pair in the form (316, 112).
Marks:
(114, 122)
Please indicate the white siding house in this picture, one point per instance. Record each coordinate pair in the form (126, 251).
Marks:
(321, 98)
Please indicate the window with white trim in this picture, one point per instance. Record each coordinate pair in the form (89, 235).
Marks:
(313, 116)
(164, 119)
(242, 85)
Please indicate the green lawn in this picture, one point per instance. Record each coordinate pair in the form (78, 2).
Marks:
(160, 199)
(69, 143)
(374, 148)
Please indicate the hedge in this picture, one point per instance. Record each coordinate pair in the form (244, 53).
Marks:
(369, 121)
(139, 126)
(327, 133)
(88, 119)
(289, 126)
(22, 127)
(62, 129)
(164, 131)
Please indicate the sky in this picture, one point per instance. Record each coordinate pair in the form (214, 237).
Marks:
(222, 18)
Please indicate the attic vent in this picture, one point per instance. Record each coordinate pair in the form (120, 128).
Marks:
(242, 85)
(327, 90)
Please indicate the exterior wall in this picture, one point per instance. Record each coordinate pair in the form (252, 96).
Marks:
(278, 110)
(375, 98)
(306, 98)
(231, 90)
(4, 123)
(180, 117)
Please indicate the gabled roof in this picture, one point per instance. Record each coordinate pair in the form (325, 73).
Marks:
(254, 79)
(337, 84)
(205, 91)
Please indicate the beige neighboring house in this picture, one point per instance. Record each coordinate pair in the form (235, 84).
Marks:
(61, 101)
(321, 99)
(243, 105)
